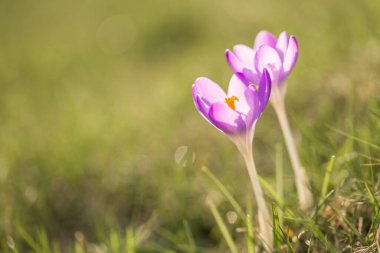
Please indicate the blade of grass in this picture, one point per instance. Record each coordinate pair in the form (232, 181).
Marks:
(323, 202)
(78, 248)
(130, 241)
(55, 247)
(326, 179)
(375, 206)
(28, 239)
(190, 237)
(280, 236)
(172, 237)
(354, 137)
(226, 193)
(250, 237)
(114, 241)
(43, 240)
(372, 198)
(222, 225)
(276, 229)
(369, 157)
(279, 178)
(271, 192)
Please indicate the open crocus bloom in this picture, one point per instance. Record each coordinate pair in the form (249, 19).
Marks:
(277, 55)
(235, 112)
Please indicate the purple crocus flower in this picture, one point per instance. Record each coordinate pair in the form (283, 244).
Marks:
(235, 112)
(277, 55)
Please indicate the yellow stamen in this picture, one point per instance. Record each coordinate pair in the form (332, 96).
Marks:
(231, 102)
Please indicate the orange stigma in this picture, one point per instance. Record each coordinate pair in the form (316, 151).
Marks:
(231, 102)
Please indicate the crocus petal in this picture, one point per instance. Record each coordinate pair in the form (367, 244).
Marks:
(235, 63)
(251, 75)
(291, 55)
(242, 63)
(264, 90)
(264, 38)
(245, 54)
(226, 119)
(238, 88)
(282, 44)
(202, 106)
(267, 57)
(252, 97)
(209, 91)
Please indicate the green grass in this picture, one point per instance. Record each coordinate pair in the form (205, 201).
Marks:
(95, 100)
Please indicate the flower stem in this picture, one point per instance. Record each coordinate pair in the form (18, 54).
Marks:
(265, 221)
(302, 182)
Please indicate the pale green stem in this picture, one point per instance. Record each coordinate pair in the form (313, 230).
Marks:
(279, 179)
(264, 218)
(302, 182)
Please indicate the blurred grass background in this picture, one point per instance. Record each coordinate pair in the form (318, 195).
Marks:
(95, 101)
